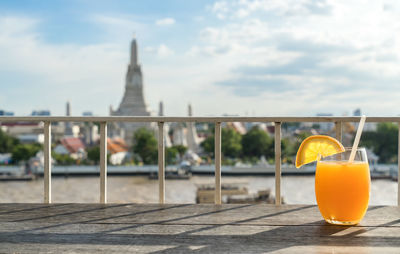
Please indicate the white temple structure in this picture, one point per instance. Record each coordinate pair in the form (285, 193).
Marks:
(193, 141)
(186, 135)
(179, 134)
(133, 102)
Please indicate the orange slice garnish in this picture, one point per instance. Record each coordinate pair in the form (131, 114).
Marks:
(317, 145)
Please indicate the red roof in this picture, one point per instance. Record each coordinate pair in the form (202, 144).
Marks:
(72, 144)
(116, 145)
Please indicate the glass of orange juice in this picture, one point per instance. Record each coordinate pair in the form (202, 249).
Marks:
(342, 188)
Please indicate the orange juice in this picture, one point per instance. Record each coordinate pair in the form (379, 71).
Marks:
(342, 190)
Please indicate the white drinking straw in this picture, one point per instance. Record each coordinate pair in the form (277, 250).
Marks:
(357, 138)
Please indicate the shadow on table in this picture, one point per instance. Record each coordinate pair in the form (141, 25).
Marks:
(205, 238)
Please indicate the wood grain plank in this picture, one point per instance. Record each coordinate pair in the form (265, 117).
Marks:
(205, 228)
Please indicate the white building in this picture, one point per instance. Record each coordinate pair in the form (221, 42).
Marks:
(186, 135)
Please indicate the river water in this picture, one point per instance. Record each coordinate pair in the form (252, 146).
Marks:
(139, 189)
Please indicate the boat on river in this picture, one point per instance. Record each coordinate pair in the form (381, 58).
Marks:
(232, 193)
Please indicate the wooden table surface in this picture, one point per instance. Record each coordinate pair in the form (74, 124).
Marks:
(186, 228)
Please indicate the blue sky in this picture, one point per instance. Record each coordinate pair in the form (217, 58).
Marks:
(245, 57)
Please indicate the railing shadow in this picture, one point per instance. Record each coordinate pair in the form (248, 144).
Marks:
(178, 219)
(37, 207)
(98, 208)
(202, 238)
(79, 214)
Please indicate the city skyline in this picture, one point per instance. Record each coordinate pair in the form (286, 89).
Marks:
(259, 57)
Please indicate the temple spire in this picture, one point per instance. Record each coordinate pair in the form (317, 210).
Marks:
(190, 111)
(68, 109)
(133, 102)
(134, 53)
(161, 109)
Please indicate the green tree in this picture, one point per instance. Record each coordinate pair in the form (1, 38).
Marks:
(288, 150)
(23, 152)
(383, 142)
(316, 126)
(257, 143)
(231, 145)
(93, 154)
(181, 149)
(7, 143)
(145, 145)
(208, 145)
(171, 154)
(291, 145)
(63, 159)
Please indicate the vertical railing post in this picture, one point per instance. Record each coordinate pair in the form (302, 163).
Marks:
(217, 163)
(161, 164)
(278, 163)
(398, 168)
(338, 130)
(47, 162)
(103, 162)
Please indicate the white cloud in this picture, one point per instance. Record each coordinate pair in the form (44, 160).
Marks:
(319, 23)
(45, 75)
(14, 25)
(221, 8)
(271, 57)
(164, 51)
(161, 51)
(48, 75)
(245, 8)
(272, 48)
(165, 22)
(193, 51)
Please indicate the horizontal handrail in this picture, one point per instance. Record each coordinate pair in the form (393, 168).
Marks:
(195, 119)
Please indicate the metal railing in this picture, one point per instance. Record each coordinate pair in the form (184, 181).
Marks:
(338, 121)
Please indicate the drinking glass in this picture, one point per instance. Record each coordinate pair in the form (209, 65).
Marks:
(342, 188)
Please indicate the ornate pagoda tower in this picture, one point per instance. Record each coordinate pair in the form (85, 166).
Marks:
(133, 102)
